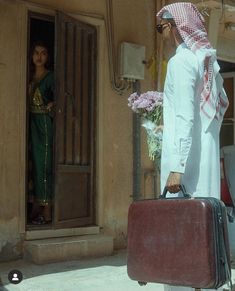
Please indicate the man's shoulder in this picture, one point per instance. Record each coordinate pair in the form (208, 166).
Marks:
(184, 57)
(184, 54)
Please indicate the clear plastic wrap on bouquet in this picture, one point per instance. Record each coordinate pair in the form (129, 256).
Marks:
(150, 106)
(154, 139)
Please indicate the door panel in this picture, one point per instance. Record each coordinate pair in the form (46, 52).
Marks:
(70, 182)
(75, 128)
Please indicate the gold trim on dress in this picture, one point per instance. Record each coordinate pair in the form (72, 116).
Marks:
(37, 98)
(38, 109)
(36, 104)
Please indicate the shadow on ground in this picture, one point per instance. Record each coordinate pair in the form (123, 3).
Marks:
(30, 270)
(233, 289)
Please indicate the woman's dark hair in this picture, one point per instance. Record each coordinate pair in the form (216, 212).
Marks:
(31, 64)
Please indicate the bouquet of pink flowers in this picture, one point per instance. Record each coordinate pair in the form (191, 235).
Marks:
(149, 106)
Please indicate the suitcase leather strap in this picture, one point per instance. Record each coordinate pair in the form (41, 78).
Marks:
(182, 189)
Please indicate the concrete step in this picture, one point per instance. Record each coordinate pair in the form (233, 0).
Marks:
(61, 232)
(67, 248)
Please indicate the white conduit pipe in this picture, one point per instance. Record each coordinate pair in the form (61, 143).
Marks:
(160, 4)
(123, 85)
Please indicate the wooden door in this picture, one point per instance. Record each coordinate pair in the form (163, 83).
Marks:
(75, 122)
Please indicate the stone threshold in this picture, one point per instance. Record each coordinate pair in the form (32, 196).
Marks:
(57, 233)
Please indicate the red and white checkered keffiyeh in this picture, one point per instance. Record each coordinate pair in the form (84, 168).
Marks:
(189, 23)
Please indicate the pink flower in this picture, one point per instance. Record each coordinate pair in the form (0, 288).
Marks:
(148, 104)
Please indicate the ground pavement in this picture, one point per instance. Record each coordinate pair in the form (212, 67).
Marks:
(100, 274)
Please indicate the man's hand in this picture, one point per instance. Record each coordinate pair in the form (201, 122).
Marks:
(158, 128)
(173, 182)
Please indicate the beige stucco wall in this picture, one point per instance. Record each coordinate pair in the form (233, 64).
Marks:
(133, 22)
(11, 130)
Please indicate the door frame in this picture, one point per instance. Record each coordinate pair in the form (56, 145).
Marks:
(95, 20)
(231, 75)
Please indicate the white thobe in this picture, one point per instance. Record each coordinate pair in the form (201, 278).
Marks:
(187, 148)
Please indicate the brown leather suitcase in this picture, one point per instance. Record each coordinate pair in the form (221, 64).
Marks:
(179, 241)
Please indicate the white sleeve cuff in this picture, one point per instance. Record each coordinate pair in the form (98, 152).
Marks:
(178, 164)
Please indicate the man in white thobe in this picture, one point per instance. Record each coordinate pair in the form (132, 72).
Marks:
(193, 107)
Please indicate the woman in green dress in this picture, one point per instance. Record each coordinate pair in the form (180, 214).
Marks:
(41, 96)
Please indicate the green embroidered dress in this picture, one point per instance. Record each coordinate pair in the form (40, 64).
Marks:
(41, 137)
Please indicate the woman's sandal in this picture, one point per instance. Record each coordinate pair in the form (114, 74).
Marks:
(39, 220)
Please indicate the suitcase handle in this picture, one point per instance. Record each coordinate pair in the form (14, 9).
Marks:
(182, 189)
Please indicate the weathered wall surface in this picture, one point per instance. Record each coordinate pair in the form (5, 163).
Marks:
(10, 128)
(133, 22)
(137, 27)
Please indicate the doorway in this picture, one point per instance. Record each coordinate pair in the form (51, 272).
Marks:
(72, 46)
(227, 134)
(40, 125)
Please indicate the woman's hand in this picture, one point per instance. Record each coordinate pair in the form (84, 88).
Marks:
(50, 105)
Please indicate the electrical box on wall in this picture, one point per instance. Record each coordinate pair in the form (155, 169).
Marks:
(132, 57)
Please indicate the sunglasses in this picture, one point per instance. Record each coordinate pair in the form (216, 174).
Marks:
(160, 27)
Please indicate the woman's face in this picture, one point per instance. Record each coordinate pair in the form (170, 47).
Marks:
(40, 56)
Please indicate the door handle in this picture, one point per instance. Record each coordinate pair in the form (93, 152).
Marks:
(60, 110)
(70, 97)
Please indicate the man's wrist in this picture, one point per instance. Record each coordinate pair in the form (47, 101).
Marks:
(174, 172)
